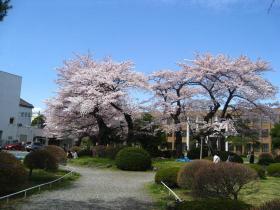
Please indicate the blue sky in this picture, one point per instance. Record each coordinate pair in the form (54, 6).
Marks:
(37, 36)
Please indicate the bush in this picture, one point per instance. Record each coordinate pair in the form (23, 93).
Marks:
(12, 173)
(57, 152)
(84, 152)
(265, 159)
(75, 149)
(235, 158)
(188, 172)
(133, 159)
(259, 169)
(40, 159)
(168, 176)
(277, 159)
(223, 180)
(106, 151)
(273, 169)
(195, 153)
(213, 204)
(168, 153)
(270, 205)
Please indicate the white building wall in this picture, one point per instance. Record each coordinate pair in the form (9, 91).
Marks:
(10, 87)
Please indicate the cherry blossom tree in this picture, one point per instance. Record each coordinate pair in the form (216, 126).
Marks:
(229, 83)
(96, 92)
(171, 92)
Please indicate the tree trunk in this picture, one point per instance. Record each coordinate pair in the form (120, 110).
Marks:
(178, 144)
(104, 130)
(130, 134)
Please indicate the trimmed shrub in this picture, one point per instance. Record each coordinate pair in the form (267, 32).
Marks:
(213, 204)
(84, 152)
(57, 152)
(273, 169)
(12, 173)
(259, 169)
(265, 159)
(40, 159)
(223, 180)
(168, 176)
(234, 157)
(270, 205)
(133, 159)
(75, 149)
(187, 173)
(106, 151)
(195, 153)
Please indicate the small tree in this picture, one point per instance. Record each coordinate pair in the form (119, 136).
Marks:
(40, 159)
(39, 121)
(223, 180)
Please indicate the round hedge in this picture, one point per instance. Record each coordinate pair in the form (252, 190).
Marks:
(12, 173)
(168, 176)
(273, 169)
(187, 173)
(234, 157)
(57, 152)
(259, 169)
(133, 159)
(265, 159)
(40, 159)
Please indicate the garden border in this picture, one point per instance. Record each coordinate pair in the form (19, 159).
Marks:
(34, 187)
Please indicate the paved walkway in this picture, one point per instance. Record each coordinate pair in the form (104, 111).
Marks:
(96, 189)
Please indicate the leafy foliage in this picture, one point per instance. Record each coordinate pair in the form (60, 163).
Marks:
(168, 176)
(213, 204)
(106, 151)
(223, 180)
(273, 169)
(275, 135)
(4, 7)
(187, 173)
(133, 159)
(39, 121)
(12, 173)
(265, 159)
(234, 157)
(57, 152)
(40, 159)
(259, 169)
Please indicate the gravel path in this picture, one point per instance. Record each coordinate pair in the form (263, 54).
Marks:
(96, 189)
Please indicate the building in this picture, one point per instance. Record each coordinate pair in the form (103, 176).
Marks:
(259, 122)
(15, 113)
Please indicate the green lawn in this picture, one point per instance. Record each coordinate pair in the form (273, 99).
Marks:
(264, 190)
(166, 163)
(93, 162)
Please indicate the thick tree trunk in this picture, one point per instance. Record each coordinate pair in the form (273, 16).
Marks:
(178, 144)
(130, 126)
(104, 130)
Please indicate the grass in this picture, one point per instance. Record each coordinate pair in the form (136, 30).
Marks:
(40, 177)
(166, 163)
(263, 191)
(93, 162)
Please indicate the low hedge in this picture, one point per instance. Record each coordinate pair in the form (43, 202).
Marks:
(40, 159)
(259, 169)
(12, 173)
(273, 169)
(106, 151)
(213, 204)
(234, 157)
(168, 176)
(195, 153)
(270, 205)
(57, 152)
(84, 152)
(133, 159)
(277, 159)
(187, 173)
(265, 158)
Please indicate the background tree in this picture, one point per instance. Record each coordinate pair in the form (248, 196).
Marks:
(4, 7)
(275, 135)
(39, 121)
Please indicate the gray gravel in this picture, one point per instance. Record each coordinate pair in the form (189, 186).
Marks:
(96, 189)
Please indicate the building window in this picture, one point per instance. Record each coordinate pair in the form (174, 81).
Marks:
(10, 138)
(265, 133)
(12, 119)
(22, 114)
(25, 114)
(265, 148)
